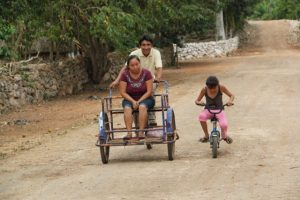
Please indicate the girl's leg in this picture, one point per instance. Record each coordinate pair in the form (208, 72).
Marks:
(223, 124)
(203, 117)
(204, 128)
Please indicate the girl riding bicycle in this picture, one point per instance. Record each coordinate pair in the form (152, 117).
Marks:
(213, 92)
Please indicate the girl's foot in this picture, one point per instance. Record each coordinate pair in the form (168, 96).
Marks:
(204, 139)
(228, 140)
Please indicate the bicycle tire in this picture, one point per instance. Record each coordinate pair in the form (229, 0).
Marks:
(215, 142)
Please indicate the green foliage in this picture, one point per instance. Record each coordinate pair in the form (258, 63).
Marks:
(235, 13)
(99, 26)
(277, 9)
(6, 33)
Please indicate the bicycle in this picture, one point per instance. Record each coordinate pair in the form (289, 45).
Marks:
(214, 137)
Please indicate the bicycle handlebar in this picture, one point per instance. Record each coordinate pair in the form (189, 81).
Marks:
(210, 109)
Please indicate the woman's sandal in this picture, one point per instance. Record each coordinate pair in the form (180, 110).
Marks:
(228, 140)
(204, 139)
(127, 137)
(141, 137)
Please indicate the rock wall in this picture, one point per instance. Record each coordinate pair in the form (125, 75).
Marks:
(220, 48)
(32, 83)
(294, 33)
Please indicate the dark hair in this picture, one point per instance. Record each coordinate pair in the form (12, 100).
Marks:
(212, 82)
(147, 38)
(130, 58)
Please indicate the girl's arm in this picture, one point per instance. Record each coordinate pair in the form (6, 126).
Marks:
(228, 93)
(200, 96)
(149, 85)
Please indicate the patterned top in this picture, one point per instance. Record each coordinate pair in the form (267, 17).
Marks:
(136, 88)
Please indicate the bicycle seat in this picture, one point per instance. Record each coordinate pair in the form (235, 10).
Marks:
(213, 119)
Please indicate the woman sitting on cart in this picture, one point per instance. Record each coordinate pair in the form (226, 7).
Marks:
(136, 89)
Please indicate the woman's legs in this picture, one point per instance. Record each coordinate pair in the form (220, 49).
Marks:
(128, 119)
(143, 118)
(143, 113)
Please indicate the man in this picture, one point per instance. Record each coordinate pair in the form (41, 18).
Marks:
(151, 60)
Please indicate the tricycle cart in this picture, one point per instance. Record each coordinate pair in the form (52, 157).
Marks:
(111, 135)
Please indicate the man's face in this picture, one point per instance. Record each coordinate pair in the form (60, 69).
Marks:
(146, 47)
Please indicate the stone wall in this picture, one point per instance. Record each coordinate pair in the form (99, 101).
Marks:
(32, 83)
(220, 48)
(294, 33)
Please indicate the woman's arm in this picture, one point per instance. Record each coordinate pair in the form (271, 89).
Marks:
(228, 93)
(116, 82)
(149, 85)
(200, 96)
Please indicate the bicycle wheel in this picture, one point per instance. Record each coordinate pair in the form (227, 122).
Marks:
(215, 141)
(104, 150)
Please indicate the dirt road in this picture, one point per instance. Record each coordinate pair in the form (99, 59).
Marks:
(262, 163)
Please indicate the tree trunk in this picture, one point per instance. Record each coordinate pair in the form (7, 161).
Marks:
(51, 51)
(57, 51)
(220, 30)
(98, 54)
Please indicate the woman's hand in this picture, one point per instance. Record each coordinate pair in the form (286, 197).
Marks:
(135, 105)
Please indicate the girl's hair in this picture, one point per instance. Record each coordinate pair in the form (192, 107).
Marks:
(130, 58)
(212, 82)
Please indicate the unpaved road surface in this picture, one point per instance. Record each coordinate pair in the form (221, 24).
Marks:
(262, 163)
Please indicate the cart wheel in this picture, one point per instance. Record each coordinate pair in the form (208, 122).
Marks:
(171, 146)
(171, 150)
(149, 146)
(104, 151)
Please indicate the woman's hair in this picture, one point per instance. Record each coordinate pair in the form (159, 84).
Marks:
(130, 58)
(146, 38)
(212, 82)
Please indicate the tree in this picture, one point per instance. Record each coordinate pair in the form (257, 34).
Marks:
(276, 9)
(220, 29)
(101, 26)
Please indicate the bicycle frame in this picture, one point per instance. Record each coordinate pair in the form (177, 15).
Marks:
(215, 132)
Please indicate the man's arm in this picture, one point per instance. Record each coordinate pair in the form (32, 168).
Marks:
(116, 82)
(158, 74)
(158, 66)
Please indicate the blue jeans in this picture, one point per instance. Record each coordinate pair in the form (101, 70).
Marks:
(149, 103)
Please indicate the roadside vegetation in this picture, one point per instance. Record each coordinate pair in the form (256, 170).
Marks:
(96, 27)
